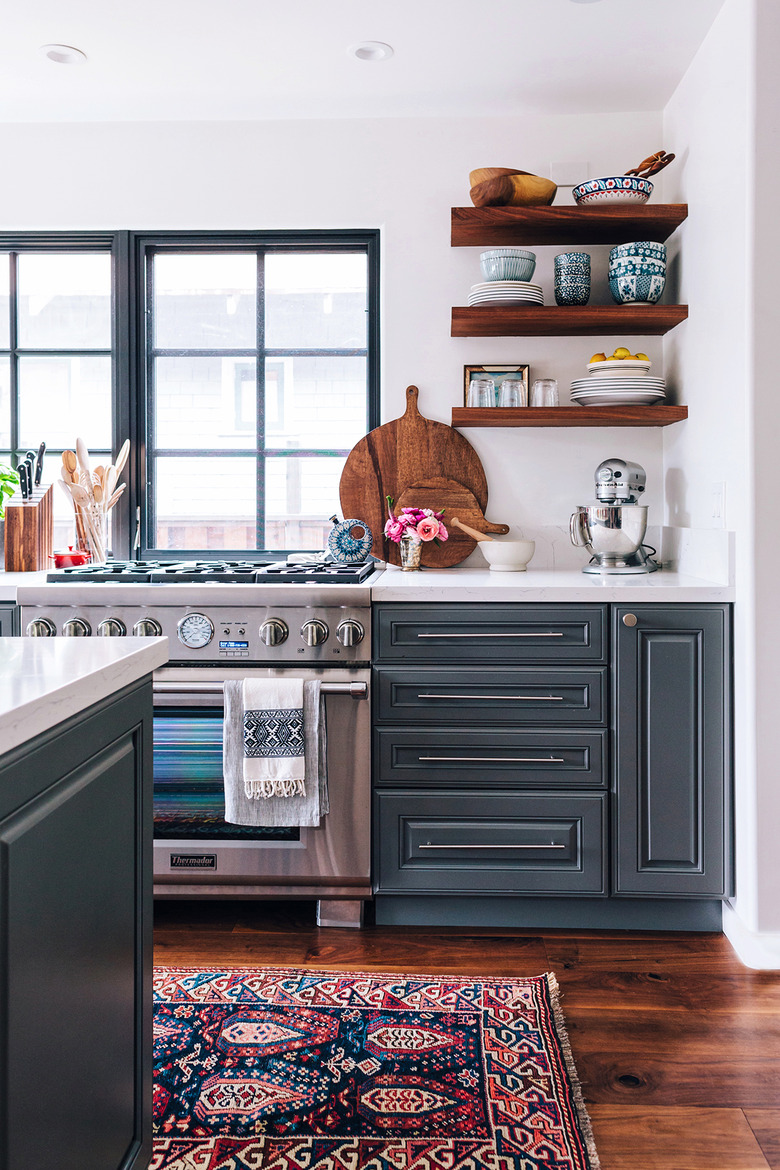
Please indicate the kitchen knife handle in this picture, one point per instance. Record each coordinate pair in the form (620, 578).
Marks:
(39, 464)
(24, 480)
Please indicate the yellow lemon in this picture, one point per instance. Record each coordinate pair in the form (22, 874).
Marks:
(621, 352)
(599, 357)
(642, 357)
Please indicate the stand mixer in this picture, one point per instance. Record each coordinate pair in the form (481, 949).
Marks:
(613, 530)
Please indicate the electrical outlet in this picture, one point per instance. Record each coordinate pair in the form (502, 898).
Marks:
(719, 504)
(569, 173)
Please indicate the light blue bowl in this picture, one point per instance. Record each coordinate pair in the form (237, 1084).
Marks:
(507, 267)
(637, 288)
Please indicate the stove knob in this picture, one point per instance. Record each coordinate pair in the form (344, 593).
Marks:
(111, 628)
(273, 632)
(350, 633)
(76, 628)
(41, 628)
(147, 628)
(315, 632)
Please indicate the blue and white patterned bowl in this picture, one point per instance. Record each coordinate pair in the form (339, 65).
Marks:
(572, 278)
(507, 264)
(637, 288)
(648, 248)
(613, 189)
(638, 268)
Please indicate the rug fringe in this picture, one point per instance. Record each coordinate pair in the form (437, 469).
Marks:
(583, 1116)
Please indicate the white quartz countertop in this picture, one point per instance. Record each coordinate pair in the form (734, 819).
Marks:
(44, 681)
(10, 582)
(553, 585)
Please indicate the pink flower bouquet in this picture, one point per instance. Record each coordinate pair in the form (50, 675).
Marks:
(419, 523)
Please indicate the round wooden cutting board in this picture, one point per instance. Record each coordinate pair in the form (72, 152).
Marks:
(438, 493)
(399, 453)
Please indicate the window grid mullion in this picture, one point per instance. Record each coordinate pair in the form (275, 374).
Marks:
(13, 324)
(260, 382)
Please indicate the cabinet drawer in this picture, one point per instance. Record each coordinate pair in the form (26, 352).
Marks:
(490, 633)
(497, 757)
(485, 695)
(491, 843)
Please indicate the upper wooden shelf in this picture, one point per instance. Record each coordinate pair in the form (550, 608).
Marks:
(474, 227)
(569, 416)
(565, 320)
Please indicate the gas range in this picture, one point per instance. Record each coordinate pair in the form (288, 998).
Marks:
(231, 612)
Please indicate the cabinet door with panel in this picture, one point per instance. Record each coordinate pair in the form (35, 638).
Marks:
(672, 750)
(7, 620)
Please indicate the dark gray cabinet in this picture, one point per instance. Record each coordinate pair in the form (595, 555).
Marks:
(8, 620)
(75, 965)
(671, 682)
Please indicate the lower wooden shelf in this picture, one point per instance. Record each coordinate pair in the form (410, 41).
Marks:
(566, 320)
(568, 416)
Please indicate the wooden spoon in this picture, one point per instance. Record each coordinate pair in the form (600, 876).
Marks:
(121, 458)
(115, 497)
(479, 536)
(69, 461)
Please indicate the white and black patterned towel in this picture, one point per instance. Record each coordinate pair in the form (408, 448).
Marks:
(274, 763)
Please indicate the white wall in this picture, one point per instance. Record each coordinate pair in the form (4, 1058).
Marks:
(722, 124)
(403, 176)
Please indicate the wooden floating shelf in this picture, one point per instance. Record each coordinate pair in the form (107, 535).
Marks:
(485, 227)
(565, 320)
(568, 416)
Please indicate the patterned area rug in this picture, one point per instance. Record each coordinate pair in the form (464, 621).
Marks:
(296, 1069)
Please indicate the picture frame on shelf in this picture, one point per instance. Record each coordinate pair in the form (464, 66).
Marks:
(498, 373)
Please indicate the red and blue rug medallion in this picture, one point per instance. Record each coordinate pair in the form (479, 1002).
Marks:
(294, 1069)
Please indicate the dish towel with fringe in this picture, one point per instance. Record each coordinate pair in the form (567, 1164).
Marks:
(311, 803)
(274, 762)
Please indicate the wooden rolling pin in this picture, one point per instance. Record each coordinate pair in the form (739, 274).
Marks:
(470, 531)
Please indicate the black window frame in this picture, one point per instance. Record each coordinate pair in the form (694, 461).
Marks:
(116, 244)
(145, 244)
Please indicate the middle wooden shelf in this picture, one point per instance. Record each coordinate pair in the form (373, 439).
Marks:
(565, 320)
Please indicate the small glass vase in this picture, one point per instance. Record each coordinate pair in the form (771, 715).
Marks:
(411, 548)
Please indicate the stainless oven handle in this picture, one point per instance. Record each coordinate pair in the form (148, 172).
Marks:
(357, 690)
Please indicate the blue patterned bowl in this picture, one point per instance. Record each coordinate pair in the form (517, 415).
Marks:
(646, 248)
(613, 189)
(637, 288)
(637, 268)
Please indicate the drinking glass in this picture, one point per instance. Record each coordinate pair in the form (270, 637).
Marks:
(482, 392)
(544, 392)
(513, 392)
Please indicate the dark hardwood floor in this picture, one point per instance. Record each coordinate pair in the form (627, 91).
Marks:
(676, 1043)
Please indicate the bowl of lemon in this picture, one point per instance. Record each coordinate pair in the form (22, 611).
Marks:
(619, 363)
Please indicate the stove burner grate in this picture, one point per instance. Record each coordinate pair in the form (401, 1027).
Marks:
(185, 572)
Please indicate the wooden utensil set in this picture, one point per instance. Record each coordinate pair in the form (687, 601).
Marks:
(92, 493)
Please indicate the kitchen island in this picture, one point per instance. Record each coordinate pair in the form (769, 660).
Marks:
(75, 901)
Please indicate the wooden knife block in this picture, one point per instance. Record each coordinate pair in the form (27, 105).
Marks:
(28, 531)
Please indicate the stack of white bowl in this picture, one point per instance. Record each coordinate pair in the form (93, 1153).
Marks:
(620, 382)
(507, 273)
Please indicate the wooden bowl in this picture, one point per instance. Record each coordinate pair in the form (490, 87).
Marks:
(482, 174)
(514, 191)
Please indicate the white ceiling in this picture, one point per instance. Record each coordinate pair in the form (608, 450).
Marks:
(193, 60)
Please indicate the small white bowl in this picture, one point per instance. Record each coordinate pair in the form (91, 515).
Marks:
(507, 556)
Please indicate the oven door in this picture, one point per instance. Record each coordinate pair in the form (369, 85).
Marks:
(198, 854)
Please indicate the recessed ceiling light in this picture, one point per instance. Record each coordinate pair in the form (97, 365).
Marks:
(586, 1)
(63, 54)
(371, 51)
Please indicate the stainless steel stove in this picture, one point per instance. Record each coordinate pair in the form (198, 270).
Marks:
(235, 619)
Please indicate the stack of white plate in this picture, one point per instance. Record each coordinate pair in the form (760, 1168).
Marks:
(639, 390)
(618, 367)
(506, 292)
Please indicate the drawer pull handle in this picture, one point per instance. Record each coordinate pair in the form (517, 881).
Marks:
(498, 759)
(499, 698)
(536, 634)
(428, 845)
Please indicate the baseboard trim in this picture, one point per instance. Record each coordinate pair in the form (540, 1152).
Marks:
(551, 913)
(757, 950)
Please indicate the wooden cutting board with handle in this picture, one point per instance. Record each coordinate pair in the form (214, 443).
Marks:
(439, 493)
(397, 454)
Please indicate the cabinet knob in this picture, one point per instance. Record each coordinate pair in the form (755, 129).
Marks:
(629, 619)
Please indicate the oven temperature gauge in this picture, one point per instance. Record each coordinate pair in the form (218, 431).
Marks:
(195, 630)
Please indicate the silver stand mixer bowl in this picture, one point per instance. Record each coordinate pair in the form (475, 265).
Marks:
(613, 535)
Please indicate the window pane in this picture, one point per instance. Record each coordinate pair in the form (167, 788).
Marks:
(205, 503)
(205, 402)
(62, 397)
(5, 401)
(315, 402)
(5, 300)
(205, 301)
(65, 301)
(301, 495)
(315, 300)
